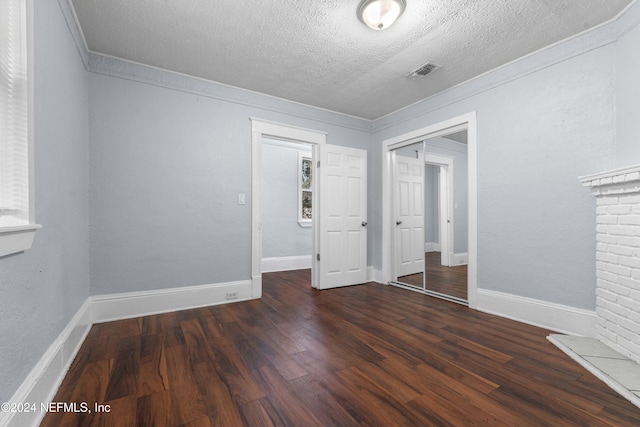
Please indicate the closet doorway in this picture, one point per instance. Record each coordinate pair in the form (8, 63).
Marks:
(429, 197)
(430, 203)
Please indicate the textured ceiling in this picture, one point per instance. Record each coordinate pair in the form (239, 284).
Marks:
(318, 53)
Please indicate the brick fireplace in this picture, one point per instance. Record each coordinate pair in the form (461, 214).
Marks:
(618, 258)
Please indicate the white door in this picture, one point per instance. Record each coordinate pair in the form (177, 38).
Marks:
(343, 217)
(408, 177)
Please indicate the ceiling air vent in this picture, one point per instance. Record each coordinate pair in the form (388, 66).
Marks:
(423, 70)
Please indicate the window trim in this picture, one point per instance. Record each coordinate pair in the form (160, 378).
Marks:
(19, 238)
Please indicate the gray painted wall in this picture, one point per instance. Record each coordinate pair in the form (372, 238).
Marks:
(166, 168)
(41, 289)
(536, 134)
(282, 236)
(628, 95)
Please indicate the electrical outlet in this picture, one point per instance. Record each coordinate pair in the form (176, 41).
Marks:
(232, 295)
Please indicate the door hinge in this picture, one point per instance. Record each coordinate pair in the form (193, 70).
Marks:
(318, 164)
(317, 257)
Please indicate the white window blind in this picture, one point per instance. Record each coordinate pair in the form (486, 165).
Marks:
(14, 123)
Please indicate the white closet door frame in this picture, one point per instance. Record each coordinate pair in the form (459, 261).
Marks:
(466, 121)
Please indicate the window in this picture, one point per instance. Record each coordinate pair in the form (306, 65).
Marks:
(305, 189)
(16, 202)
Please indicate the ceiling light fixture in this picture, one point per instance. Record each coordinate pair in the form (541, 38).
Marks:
(380, 14)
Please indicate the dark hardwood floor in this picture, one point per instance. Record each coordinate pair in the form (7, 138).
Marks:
(445, 280)
(363, 355)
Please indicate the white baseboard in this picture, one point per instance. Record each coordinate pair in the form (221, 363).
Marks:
(374, 275)
(431, 247)
(557, 317)
(106, 308)
(286, 263)
(44, 379)
(459, 259)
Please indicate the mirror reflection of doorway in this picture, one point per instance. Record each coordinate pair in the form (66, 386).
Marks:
(430, 204)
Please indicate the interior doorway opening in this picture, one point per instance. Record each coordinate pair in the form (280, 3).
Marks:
(339, 212)
(287, 205)
(260, 130)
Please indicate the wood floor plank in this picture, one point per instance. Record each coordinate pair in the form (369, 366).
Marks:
(218, 398)
(122, 413)
(152, 371)
(197, 342)
(202, 422)
(154, 410)
(363, 355)
(151, 325)
(254, 413)
(321, 402)
(187, 403)
(285, 404)
(369, 392)
(123, 380)
(236, 375)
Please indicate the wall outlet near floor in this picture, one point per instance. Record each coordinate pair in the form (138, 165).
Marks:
(232, 295)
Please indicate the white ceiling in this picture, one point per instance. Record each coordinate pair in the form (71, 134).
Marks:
(318, 53)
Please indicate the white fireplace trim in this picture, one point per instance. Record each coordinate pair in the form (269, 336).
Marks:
(617, 181)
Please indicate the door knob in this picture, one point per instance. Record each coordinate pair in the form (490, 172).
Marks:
(398, 222)
(364, 223)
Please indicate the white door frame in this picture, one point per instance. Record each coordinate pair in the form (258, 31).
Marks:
(263, 128)
(445, 205)
(465, 121)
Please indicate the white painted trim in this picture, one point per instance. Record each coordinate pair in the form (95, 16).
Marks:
(287, 144)
(613, 182)
(374, 275)
(43, 381)
(459, 259)
(626, 174)
(267, 129)
(105, 308)
(469, 122)
(448, 144)
(557, 317)
(17, 239)
(286, 263)
(431, 247)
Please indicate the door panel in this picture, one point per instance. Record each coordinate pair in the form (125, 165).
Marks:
(409, 201)
(343, 208)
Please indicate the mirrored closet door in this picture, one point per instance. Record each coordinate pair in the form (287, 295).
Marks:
(430, 208)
